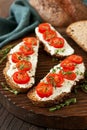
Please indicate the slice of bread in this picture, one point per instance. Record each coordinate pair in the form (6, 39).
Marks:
(59, 93)
(11, 68)
(78, 32)
(66, 50)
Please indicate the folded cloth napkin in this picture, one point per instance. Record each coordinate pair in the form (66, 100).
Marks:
(85, 1)
(22, 20)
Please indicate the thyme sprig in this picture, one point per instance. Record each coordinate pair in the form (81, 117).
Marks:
(7, 88)
(55, 59)
(82, 85)
(66, 103)
(59, 51)
(4, 52)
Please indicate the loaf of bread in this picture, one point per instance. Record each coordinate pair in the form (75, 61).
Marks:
(58, 83)
(54, 43)
(78, 32)
(60, 13)
(21, 65)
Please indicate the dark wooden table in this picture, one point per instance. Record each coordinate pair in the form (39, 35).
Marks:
(7, 120)
(10, 122)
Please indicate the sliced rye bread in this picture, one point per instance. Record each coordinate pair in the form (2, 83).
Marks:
(78, 32)
(11, 68)
(59, 93)
(64, 51)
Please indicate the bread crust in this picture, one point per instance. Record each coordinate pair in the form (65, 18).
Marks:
(47, 45)
(11, 82)
(60, 13)
(55, 55)
(71, 32)
(48, 103)
(51, 11)
(47, 50)
(59, 94)
(8, 76)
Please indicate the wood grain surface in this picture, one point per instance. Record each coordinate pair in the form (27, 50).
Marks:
(22, 108)
(10, 122)
(7, 120)
(24, 113)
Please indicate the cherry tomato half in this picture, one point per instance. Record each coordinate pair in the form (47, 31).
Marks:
(49, 35)
(30, 41)
(57, 42)
(26, 50)
(17, 56)
(55, 79)
(43, 27)
(21, 77)
(70, 75)
(24, 65)
(76, 59)
(68, 65)
(44, 89)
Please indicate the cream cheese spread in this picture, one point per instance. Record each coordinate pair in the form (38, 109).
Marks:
(32, 58)
(64, 51)
(67, 84)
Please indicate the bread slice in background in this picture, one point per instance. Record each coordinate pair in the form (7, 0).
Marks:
(60, 13)
(78, 32)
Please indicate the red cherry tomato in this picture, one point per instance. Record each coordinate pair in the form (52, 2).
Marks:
(57, 42)
(68, 65)
(70, 75)
(21, 77)
(30, 41)
(47, 35)
(44, 89)
(24, 65)
(17, 56)
(55, 79)
(26, 50)
(76, 59)
(43, 27)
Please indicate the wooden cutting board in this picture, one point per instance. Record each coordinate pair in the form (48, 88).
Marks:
(69, 117)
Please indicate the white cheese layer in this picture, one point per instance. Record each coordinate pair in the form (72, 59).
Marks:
(32, 58)
(64, 51)
(67, 84)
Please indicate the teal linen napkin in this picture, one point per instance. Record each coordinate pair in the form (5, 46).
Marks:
(22, 20)
(85, 2)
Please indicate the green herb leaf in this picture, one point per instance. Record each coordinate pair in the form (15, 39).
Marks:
(54, 59)
(59, 68)
(68, 72)
(52, 109)
(21, 67)
(53, 70)
(4, 52)
(3, 58)
(69, 101)
(59, 51)
(83, 84)
(84, 87)
(9, 89)
(86, 74)
(66, 103)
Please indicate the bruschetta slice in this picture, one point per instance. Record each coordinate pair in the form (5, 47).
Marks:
(21, 65)
(58, 83)
(53, 42)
